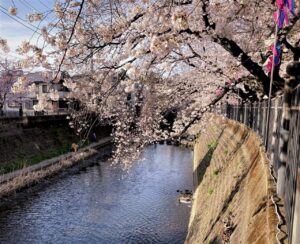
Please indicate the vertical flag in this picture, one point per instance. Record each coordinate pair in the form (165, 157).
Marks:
(276, 50)
(284, 7)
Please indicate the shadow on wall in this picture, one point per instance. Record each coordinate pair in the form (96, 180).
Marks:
(216, 240)
(205, 162)
(202, 166)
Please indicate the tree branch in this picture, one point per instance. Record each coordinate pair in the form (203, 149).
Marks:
(70, 38)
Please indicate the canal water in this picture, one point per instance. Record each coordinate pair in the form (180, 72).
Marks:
(103, 204)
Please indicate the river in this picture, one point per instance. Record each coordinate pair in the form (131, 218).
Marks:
(104, 204)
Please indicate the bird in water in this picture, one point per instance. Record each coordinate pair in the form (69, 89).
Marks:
(185, 196)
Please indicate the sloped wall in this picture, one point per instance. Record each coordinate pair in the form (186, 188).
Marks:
(232, 201)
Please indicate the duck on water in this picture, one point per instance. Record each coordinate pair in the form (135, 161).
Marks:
(185, 196)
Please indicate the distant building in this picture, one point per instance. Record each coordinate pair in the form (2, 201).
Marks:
(43, 86)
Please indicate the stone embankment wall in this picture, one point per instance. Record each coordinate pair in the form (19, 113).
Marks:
(233, 200)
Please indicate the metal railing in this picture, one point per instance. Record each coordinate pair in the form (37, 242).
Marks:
(255, 116)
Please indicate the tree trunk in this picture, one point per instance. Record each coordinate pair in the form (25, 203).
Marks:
(255, 69)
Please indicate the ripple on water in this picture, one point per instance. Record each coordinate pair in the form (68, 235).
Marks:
(95, 206)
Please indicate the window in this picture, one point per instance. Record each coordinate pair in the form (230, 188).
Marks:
(29, 104)
(44, 88)
(56, 87)
(54, 105)
(14, 104)
(64, 89)
(60, 87)
(62, 104)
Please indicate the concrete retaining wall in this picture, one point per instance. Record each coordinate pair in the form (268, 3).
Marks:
(233, 202)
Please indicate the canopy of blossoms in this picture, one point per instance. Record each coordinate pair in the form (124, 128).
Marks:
(154, 67)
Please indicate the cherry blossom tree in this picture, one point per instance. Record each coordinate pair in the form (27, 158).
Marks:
(154, 67)
(8, 76)
(3, 45)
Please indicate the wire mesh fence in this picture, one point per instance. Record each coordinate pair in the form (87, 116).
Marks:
(255, 116)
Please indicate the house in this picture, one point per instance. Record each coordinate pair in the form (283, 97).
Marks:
(41, 85)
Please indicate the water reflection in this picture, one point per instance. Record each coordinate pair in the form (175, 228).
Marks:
(106, 205)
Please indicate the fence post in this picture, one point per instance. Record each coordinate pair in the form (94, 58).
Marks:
(258, 118)
(263, 124)
(233, 112)
(219, 108)
(222, 109)
(227, 111)
(245, 114)
(251, 116)
(241, 112)
(274, 129)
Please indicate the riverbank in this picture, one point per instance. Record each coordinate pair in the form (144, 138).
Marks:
(23, 178)
(24, 144)
(235, 193)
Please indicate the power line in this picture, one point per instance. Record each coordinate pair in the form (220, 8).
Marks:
(23, 22)
(17, 17)
(29, 5)
(26, 3)
(18, 21)
(43, 3)
(13, 3)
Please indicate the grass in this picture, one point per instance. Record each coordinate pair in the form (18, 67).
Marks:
(83, 143)
(241, 164)
(213, 145)
(210, 191)
(216, 172)
(30, 178)
(25, 162)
